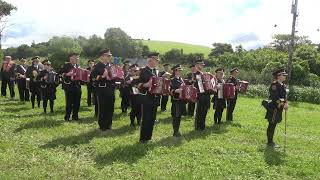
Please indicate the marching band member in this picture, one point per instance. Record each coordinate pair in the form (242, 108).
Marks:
(21, 80)
(135, 96)
(8, 77)
(34, 85)
(231, 103)
(90, 87)
(149, 101)
(203, 102)
(278, 102)
(176, 103)
(72, 88)
(49, 80)
(105, 91)
(219, 103)
(124, 89)
(164, 98)
(191, 81)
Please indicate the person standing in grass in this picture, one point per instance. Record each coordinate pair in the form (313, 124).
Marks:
(72, 88)
(203, 102)
(90, 88)
(49, 81)
(164, 98)
(21, 80)
(219, 102)
(34, 85)
(278, 102)
(124, 89)
(191, 81)
(8, 77)
(149, 101)
(176, 103)
(231, 103)
(105, 91)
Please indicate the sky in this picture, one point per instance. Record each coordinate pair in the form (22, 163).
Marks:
(203, 22)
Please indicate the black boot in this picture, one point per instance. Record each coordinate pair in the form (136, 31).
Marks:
(175, 125)
(51, 106)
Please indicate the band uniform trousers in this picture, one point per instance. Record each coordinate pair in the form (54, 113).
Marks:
(73, 97)
(23, 91)
(164, 101)
(105, 100)
(90, 95)
(35, 93)
(191, 107)
(135, 109)
(149, 112)
(231, 104)
(176, 113)
(10, 83)
(203, 105)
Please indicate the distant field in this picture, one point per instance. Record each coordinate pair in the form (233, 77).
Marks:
(164, 46)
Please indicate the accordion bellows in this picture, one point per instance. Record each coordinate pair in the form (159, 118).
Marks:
(80, 74)
(159, 86)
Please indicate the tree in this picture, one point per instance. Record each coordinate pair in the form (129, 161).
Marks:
(24, 51)
(60, 47)
(5, 10)
(220, 49)
(174, 55)
(281, 41)
(120, 43)
(91, 46)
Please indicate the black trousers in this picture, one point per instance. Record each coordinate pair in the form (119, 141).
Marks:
(23, 91)
(125, 99)
(191, 107)
(164, 101)
(176, 113)
(270, 131)
(218, 115)
(90, 95)
(10, 84)
(73, 97)
(135, 109)
(35, 94)
(45, 104)
(105, 99)
(149, 114)
(203, 105)
(95, 97)
(231, 104)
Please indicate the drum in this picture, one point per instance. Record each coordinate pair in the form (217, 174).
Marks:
(188, 93)
(243, 86)
(159, 86)
(229, 91)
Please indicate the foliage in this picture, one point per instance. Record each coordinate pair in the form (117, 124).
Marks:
(220, 49)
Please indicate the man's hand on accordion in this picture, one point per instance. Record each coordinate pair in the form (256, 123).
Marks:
(69, 73)
(178, 91)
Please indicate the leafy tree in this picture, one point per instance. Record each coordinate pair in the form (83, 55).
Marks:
(281, 41)
(220, 49)
(5, 10)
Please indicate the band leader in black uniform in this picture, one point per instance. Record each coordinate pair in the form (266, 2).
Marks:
(49, 80)
(203, 102)
(34, 85)
(278, 102)
(21, 70)
(124, 89)
(231, 103)
(177, 105)
(8, 77)
(149, 101)
(105, 91)
(72, 89)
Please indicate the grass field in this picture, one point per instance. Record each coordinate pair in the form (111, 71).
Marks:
(164, 46)
(35, 146)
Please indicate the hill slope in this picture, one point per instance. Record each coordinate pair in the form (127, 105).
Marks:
(164, 46)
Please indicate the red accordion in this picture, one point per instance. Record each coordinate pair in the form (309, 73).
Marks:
(159, 85)
(229, 91)
(80, 74)
(188, 93)
(7, 65)
(243, 86)
(114, 72)
(208, 82)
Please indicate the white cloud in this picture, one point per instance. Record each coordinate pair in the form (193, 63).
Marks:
(199, 22)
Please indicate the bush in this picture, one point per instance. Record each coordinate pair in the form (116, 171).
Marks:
(302, 94)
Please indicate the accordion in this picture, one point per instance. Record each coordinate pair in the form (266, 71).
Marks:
(52, 77)
(243, 86)
(229, 91)
(80, 75)
(206, 83)
(188, 93)
(159, 85)
(8, 65)
(114, 72)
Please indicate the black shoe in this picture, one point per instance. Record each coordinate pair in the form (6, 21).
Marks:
(272, 145)
(177, 134)
(67, 119)
(132, 125)
(143, 141)
(75, 118)
(163, 110)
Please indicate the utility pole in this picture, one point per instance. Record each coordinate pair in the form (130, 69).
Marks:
(294, 11)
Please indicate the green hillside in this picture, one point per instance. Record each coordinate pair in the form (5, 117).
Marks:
(164, 46)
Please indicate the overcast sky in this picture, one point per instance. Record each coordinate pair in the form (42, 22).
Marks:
(247, 22)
